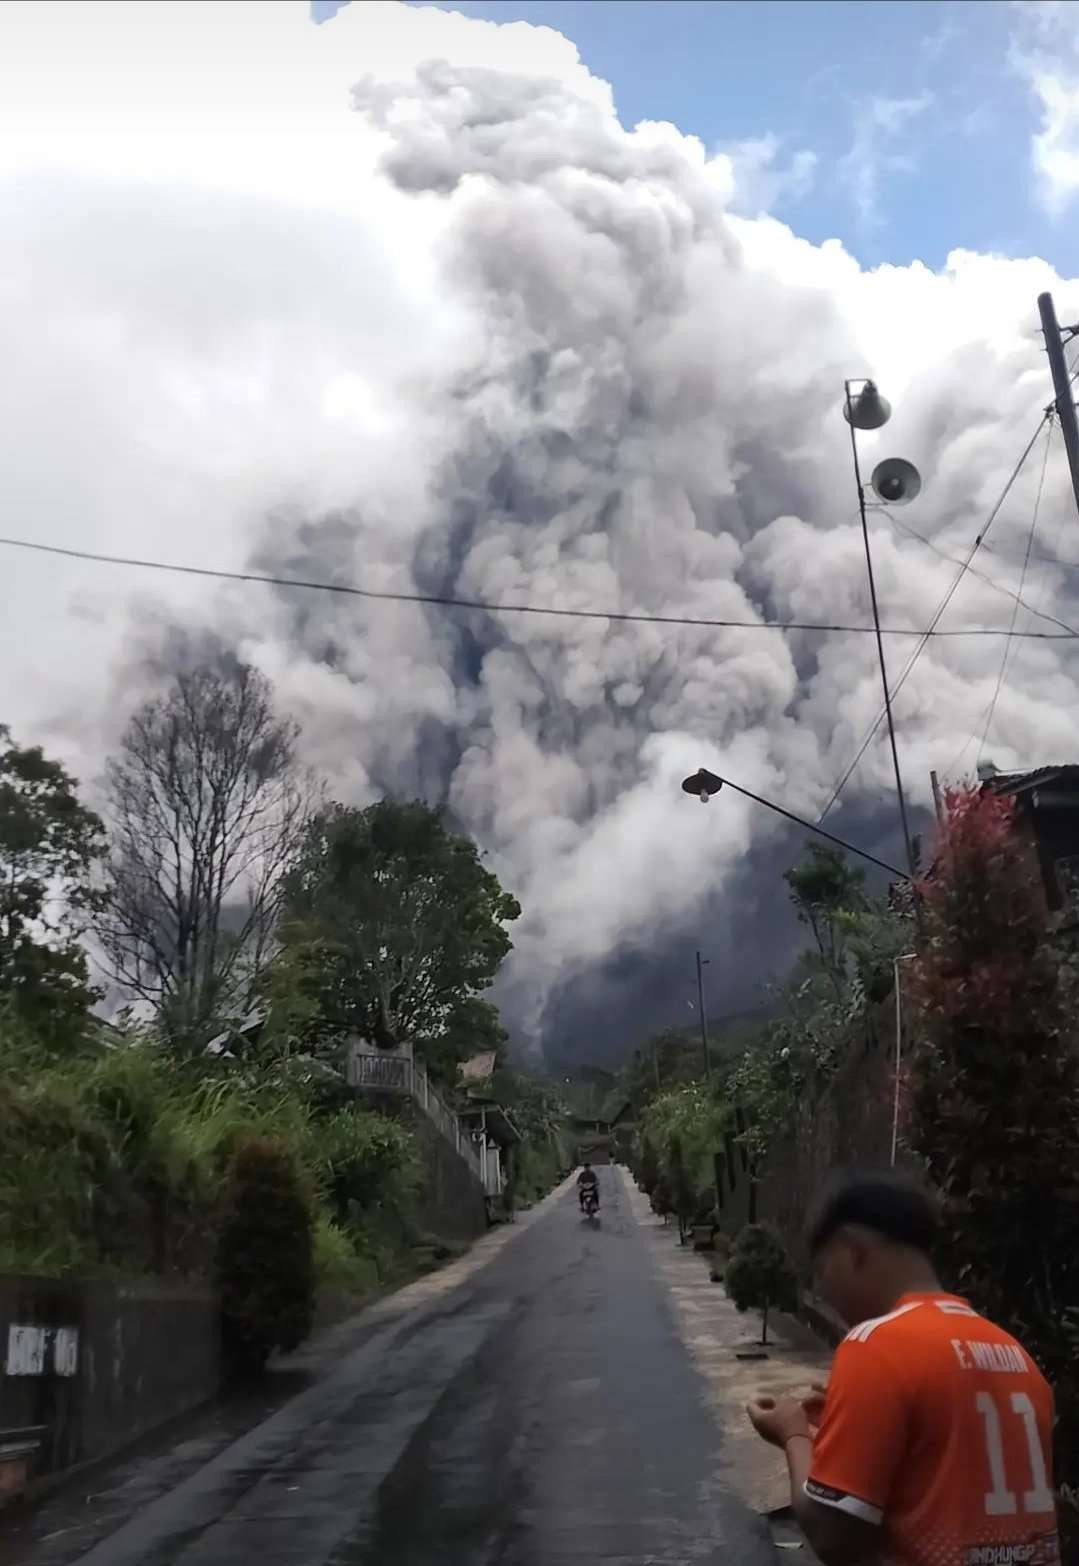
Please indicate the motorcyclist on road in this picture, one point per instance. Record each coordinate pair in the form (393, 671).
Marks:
(587, 1182)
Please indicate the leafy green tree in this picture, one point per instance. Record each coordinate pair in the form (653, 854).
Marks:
(995, 1092)
(649, 1165)
(49, 847)
(540, 1115)
(759, 1275)
(787, 1068)
(660, 1197)
(404, 928)
(699, 1117)
(824, 888)
(683, 1194)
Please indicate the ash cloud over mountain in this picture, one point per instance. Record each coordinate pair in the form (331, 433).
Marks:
(531, 355)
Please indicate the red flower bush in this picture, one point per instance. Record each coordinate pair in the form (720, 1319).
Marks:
(994, 1093)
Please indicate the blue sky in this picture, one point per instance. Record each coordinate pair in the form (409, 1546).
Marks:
(902, 127)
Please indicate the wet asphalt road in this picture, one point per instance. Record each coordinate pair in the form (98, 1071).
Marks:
(542, 1413)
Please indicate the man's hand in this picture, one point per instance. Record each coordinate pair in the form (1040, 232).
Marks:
(813, 1405)
(778, 1420)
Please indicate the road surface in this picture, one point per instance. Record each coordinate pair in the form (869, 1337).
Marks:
(542, 1412)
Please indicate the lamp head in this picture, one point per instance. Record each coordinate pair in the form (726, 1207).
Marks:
(896, 481)
(703, 783)
(869, 410)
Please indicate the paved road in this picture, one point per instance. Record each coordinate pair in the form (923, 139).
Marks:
(542, 1413)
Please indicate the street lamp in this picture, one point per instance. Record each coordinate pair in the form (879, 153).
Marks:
(896, 482)
(704, 784)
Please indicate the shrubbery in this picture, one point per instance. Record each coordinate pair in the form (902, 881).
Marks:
(265, 1254)
(117, 1160)
(995, 1099)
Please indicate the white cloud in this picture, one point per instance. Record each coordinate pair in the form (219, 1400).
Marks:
(1045, 52)
(761, 181)
(875, 151)
(475, 335)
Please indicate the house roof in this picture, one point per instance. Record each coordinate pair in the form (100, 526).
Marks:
(500, 1124)
(480, 1067)
(1023, 782)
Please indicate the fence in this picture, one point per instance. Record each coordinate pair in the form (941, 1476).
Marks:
(382, 1073)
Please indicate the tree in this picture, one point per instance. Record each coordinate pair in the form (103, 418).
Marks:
(406, 926)
(667, 1060)
(660, 1197)
(759, 1275)
(49, 847)
(683, 1195)
(649, 1166)
(995, 1090)
(824, 887)
(698, 1117)
(206, 806)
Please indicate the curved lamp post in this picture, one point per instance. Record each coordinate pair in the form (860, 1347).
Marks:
(704, 784)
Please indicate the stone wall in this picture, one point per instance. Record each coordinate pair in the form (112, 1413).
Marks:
(95, 1364)
(451, 1203)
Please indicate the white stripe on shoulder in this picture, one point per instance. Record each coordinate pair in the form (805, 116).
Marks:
(840, 1501)
(865, 1330)
(955, 1307)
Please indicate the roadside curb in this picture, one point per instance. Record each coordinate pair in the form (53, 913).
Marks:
(712, 1331)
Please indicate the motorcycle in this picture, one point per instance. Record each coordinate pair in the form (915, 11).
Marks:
(590, 1205)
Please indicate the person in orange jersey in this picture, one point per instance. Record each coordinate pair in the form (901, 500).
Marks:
(931, 1445)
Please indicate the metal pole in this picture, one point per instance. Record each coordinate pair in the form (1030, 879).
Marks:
(938, 803)
(1065, 403)
(905, 957)
(704, 1019)
(839, 842)
(880, 639)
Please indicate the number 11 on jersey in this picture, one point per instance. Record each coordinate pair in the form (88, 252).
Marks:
(1001, 1501)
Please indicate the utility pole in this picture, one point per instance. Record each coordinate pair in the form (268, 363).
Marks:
(704, 1019)
(852, 416)
(1065, 402)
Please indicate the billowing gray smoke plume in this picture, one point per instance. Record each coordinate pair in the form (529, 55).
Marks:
(605, 390)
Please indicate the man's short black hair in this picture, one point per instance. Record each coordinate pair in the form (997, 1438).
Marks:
(893, 1205)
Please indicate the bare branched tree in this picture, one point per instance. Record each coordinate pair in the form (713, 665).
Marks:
(207, 806)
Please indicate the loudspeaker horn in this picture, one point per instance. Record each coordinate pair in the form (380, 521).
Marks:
(896, 481)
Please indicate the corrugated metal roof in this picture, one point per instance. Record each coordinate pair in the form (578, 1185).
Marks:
(1022, 782)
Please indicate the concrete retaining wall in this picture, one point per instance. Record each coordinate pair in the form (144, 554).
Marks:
(98, 1364)
(451, 1203)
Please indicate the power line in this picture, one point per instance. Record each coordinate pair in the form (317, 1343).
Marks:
(941, 607)
(1022, 581)
(446, 601)
(1017, 599)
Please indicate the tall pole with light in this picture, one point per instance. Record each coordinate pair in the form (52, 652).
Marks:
(895, 481)
(702, 963)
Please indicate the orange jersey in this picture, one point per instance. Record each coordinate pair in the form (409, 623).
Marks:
(937, 1427)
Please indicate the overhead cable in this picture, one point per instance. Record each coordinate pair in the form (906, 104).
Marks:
(941, 607)
(447, 601)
